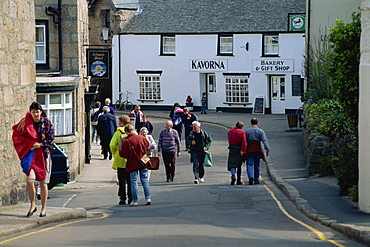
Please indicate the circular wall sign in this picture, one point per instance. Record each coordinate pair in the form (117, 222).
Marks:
(98, 68)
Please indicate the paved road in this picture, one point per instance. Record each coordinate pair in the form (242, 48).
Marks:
(182, 213)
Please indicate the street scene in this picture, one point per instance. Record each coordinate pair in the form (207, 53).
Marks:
(255, 112)
(182, 213)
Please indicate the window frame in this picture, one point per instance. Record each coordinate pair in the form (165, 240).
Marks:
(65, 105)
(222, 43)
(152, 93)
(44, 63)
(233, 89)
(266, 45)
(163, 51)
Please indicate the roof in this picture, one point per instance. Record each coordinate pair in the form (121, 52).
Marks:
(213, 16)
(126, 4)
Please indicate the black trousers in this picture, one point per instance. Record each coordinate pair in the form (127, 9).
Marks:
(169, 160)
(123, 180)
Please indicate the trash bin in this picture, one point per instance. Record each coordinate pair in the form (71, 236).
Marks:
(293, 121)
(60, 167)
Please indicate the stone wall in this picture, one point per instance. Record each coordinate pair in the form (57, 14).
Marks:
(316, 146)
(17, 89)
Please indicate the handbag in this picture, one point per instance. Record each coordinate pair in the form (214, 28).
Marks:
(154, 159)
(144, 159)
(207, 159)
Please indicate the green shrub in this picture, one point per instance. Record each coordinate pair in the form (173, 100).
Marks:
(326, 166)
(328, 117)
(353, 193)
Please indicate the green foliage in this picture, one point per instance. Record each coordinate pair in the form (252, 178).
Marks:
(347, 168)
(328, 117)
(353, 193)
(345, 59)
(326, 166)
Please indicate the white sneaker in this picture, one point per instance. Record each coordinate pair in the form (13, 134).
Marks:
(196, 181)
(134, 204)
(201, 180)
(148, 201)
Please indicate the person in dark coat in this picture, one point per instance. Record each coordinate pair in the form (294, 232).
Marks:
(187, 119)
(107, 126)
(237, 149)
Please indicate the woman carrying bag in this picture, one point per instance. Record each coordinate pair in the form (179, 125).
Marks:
(198, 142)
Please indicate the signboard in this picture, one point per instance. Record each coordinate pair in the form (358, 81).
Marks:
(296, 85)
(297, 23)
(272, 65)
(98, 63)
(206, 65)
(259, 105)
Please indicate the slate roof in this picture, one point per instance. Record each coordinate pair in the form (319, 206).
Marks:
(213, 16)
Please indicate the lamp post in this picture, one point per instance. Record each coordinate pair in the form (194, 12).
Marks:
(105, 32)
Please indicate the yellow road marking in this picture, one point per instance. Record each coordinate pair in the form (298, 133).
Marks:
(317, 232)
(104, 215)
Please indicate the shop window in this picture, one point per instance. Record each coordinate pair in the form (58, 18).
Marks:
(150, 87)
(225, 45)
(58, 108)
(236, 89)
(271, 45)
(168, 46)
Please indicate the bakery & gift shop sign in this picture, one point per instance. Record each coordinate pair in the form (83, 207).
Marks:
(273, 65)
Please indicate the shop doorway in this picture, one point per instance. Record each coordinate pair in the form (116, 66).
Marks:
(211, 91)
(277, 84)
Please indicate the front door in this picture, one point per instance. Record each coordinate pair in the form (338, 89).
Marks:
(277, 94)
(211, 91)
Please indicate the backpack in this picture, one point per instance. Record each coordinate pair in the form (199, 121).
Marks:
(93, 116)
(122, 137)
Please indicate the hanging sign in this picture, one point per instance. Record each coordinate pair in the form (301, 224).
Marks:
(98, 63)
(297, 23)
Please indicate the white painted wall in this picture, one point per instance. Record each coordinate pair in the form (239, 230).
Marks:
(142, 52)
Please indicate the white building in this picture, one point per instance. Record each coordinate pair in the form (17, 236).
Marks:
(234, 52)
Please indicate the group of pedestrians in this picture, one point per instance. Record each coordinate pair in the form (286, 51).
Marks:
(33, 138)
(246, 146)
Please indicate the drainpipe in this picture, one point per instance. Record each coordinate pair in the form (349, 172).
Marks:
(58, 13)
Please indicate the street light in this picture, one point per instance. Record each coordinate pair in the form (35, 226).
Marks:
(105, 32)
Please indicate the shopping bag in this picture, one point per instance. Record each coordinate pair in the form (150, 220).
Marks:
(207, 159)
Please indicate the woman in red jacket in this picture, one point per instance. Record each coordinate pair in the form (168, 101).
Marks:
(133, 148)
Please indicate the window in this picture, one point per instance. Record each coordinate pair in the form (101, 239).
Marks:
(150, 87)
(40, 44)
(237, 89)
(271, 44)
(225, 45)
(168, 45)
(58, 108)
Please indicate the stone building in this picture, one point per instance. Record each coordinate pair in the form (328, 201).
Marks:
(61, 77)
(17, 89)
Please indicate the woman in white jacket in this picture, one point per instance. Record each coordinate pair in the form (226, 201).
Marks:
(152, 145)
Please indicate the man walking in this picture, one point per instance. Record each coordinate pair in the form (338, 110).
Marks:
(255, 136)
(107, 125)
(169, 147)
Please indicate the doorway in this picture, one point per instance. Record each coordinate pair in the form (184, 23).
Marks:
(277, 94)
(211, 91)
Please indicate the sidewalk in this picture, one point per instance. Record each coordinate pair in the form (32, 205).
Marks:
(316, 197)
